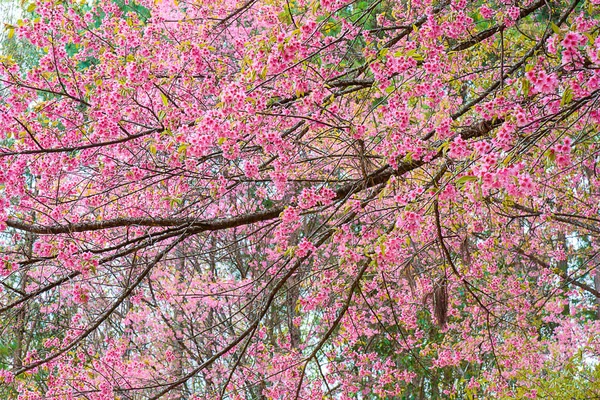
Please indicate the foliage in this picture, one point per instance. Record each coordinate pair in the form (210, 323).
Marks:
(374, 199)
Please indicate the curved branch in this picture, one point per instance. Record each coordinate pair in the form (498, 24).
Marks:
(382, 175)
(82, 147)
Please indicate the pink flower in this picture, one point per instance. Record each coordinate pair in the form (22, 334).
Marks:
(291, 215)
(444, 130)
(542, 82)
(562, 152)
(486, 12)
(6, 376)
(459, 148)
(572, 40)
(327, 196)
(526, 183)
(251, 170)
(512, 15)
(305, 247)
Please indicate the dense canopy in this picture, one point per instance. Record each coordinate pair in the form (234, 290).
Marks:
(311, 199)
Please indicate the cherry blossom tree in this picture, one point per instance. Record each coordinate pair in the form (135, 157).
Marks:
(309, 199)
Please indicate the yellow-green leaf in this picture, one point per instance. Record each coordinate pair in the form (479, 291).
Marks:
(567, 96)
(526, 86)
(464, 179)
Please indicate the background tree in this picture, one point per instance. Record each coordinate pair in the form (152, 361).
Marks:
(300, 199)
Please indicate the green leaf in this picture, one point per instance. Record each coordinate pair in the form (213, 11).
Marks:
(567, 96)
(10, 29)
(284, 17)
(444, 147)
(331, 28)
(467, 178)
(525, 86)
(267, 203)
(415, 55)
(165, 100)
(590, 37)
(182, 148)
